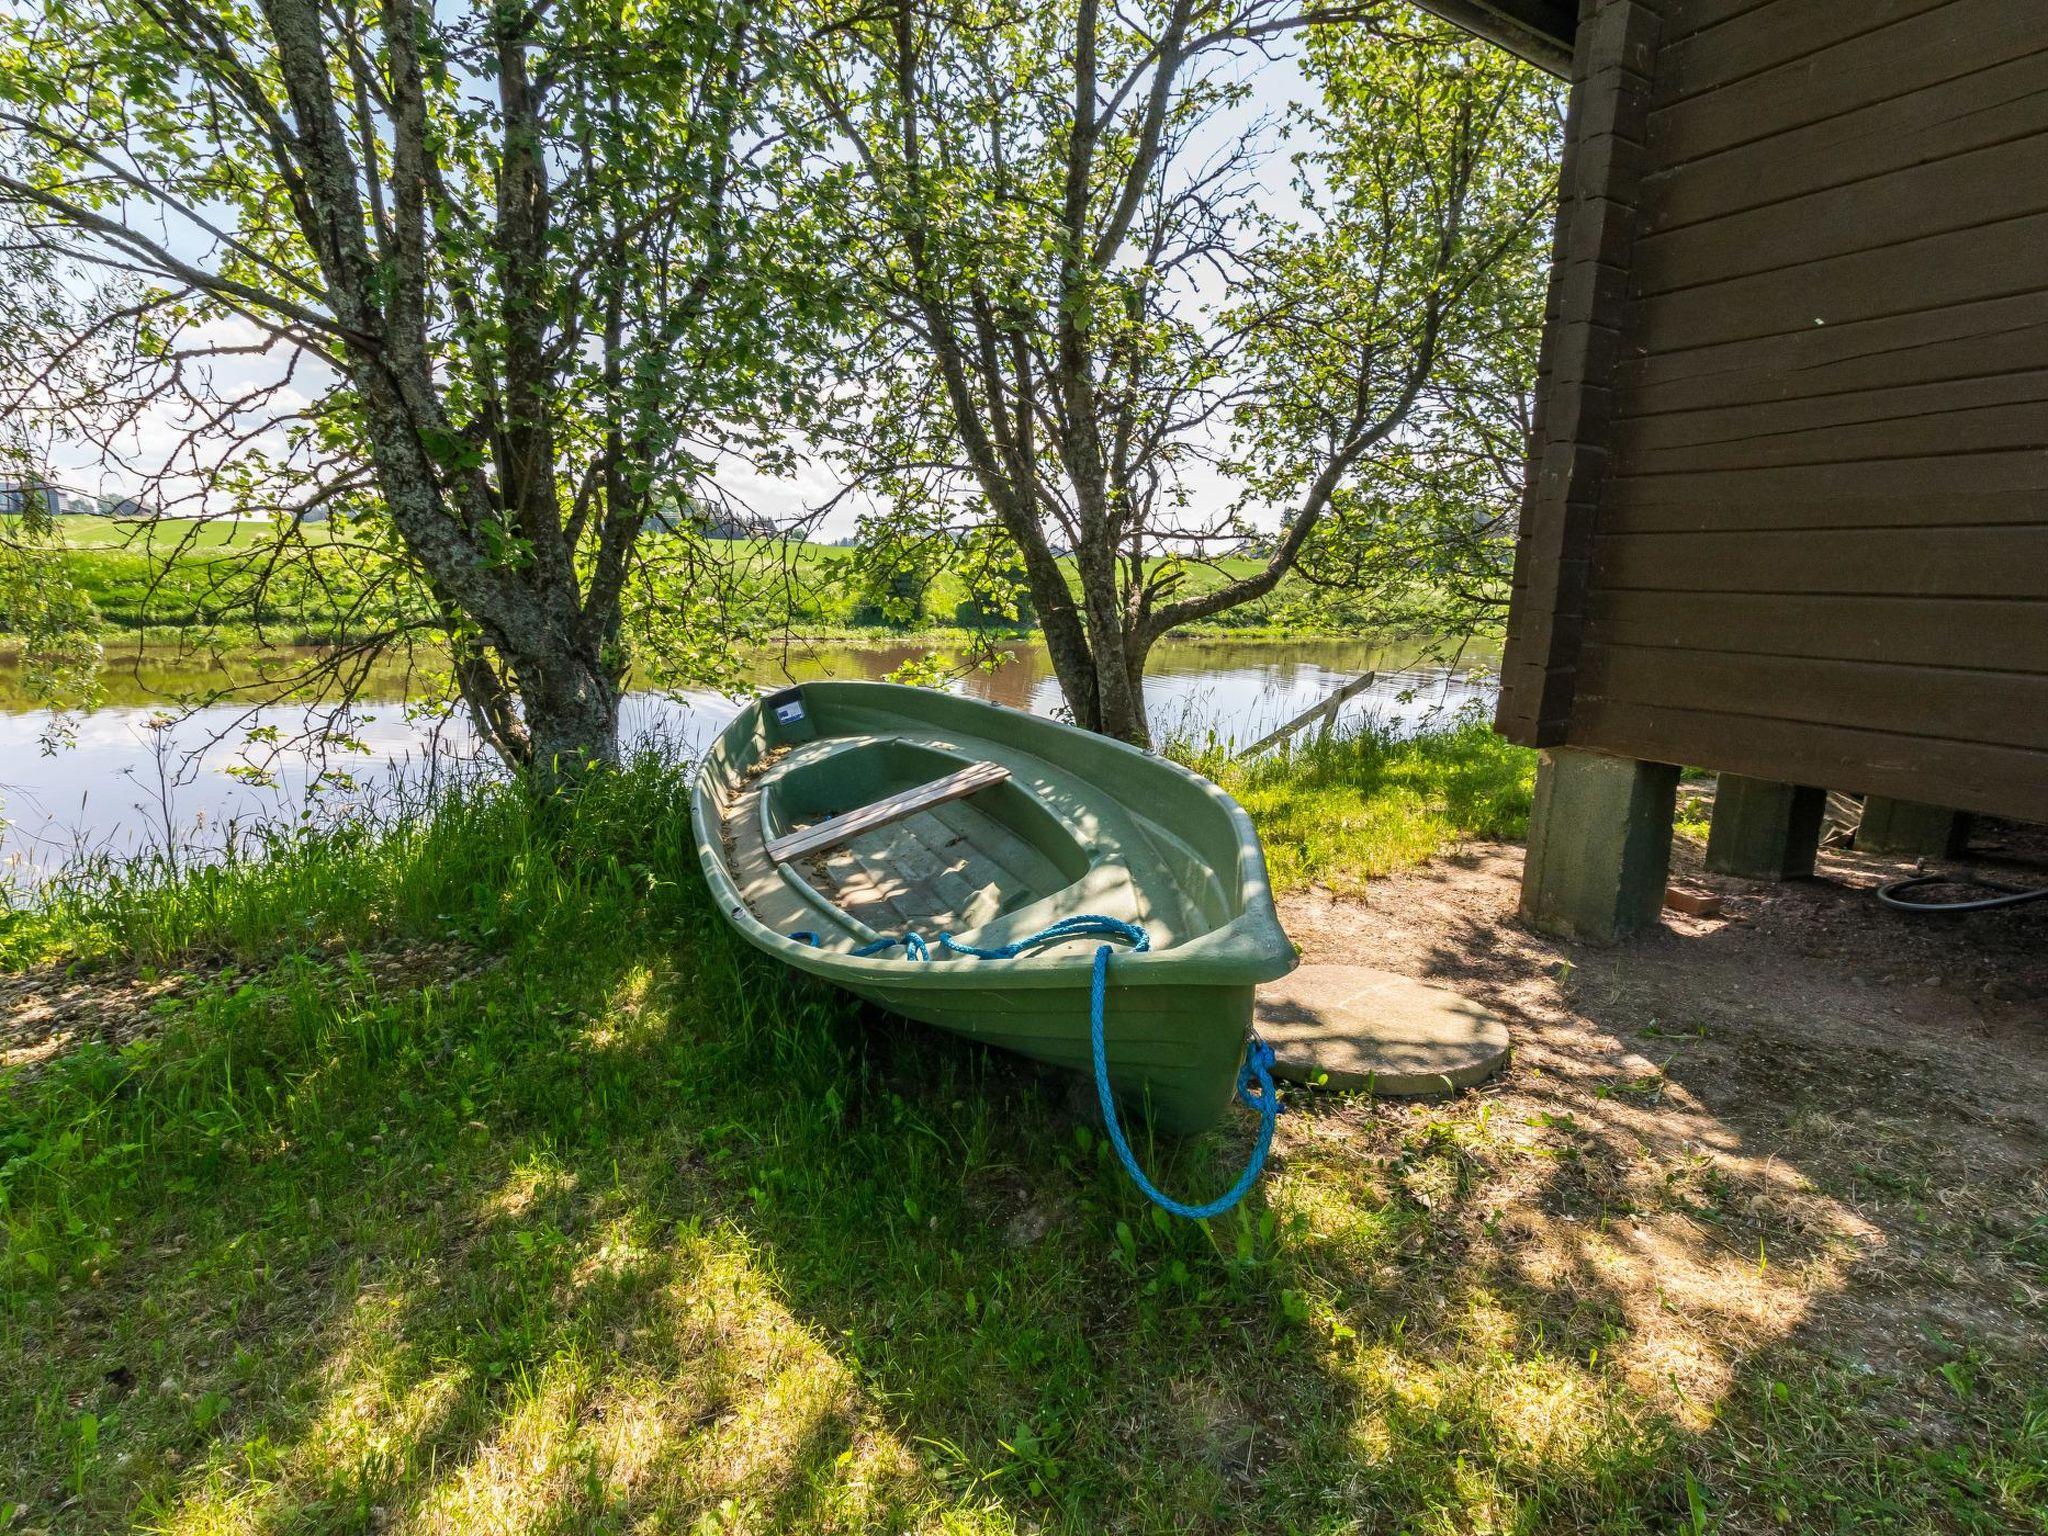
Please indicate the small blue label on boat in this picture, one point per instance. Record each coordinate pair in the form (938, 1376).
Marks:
(791, 712)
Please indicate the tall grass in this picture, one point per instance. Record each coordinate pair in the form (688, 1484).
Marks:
(1338, 810)
(381, 862)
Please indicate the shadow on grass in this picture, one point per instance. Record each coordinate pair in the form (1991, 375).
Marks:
(624, 1230)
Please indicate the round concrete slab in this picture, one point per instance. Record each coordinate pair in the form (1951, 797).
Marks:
(1350, 1026)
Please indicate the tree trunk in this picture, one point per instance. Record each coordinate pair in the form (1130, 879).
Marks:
(572, 719)
(1072, 664)
(1103, 683)
(1128, 721)
(1115, 655)
(1119, 703)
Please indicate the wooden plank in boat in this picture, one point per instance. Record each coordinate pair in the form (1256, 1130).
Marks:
(901, 868)
(858, 895)
(879, 813)
(997, 857)
(923, 841)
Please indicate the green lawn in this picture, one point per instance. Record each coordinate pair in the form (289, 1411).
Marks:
(167, 534)
(229, 582)
(177, 577)
(476, 1180)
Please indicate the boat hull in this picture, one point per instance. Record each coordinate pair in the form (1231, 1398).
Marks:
(1173, 1051)
(1151, 843)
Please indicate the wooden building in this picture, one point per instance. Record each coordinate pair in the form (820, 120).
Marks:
(1787, 514)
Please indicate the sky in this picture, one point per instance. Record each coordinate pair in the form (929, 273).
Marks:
(139, 454)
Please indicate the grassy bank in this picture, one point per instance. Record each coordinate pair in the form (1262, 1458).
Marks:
(469, 1178)
(166, 582)
(1341, 810)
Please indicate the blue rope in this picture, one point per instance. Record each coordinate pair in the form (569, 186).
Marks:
(1258, 1063)
(1066, 928)
(1258, 1060)
(914, 947)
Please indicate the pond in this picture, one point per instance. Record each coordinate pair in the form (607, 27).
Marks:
(141, 774)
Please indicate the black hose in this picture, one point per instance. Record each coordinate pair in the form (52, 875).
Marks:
(2009, 895)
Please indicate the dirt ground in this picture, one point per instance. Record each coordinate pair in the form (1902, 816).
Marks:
(1807, 1130)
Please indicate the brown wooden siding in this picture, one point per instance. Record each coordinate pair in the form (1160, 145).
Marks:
(1605, 124)
(1817, 546)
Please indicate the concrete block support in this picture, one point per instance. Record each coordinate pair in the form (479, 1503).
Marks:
(1599, 845)
(1909, 829)
(1764, 830)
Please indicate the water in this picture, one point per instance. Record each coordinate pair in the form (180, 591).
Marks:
(142, 774)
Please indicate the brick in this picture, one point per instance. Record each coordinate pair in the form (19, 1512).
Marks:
(1691, 901)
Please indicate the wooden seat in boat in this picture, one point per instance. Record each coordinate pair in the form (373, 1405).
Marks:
(880, 813)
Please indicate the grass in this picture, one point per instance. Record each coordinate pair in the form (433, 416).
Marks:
(1340, 810)
(472, 1179)
(178, 577)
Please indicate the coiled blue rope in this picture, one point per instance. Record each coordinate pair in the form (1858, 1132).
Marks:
(1066, 928)
(1257, 1068)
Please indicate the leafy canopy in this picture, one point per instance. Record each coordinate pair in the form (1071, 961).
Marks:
(1086, 311)
(490, 287)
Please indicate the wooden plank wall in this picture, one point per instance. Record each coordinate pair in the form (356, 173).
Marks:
(1606, 121)
(1818, 550)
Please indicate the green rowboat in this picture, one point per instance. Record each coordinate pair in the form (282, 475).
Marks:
(852, 813)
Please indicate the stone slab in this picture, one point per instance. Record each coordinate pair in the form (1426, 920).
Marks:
(1354, 1027)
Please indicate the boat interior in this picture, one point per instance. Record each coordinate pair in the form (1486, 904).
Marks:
(948, 866)
(865, 835)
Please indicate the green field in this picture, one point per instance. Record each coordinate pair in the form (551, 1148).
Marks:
(177, 578)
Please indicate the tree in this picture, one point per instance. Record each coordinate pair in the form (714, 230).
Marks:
(39, 601)
(42, 604)
(485, 285)
(1081, 298)
(1424, 537)
(1426, 544)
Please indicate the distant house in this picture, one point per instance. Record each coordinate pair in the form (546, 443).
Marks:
(19, 497)
(22, 493)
